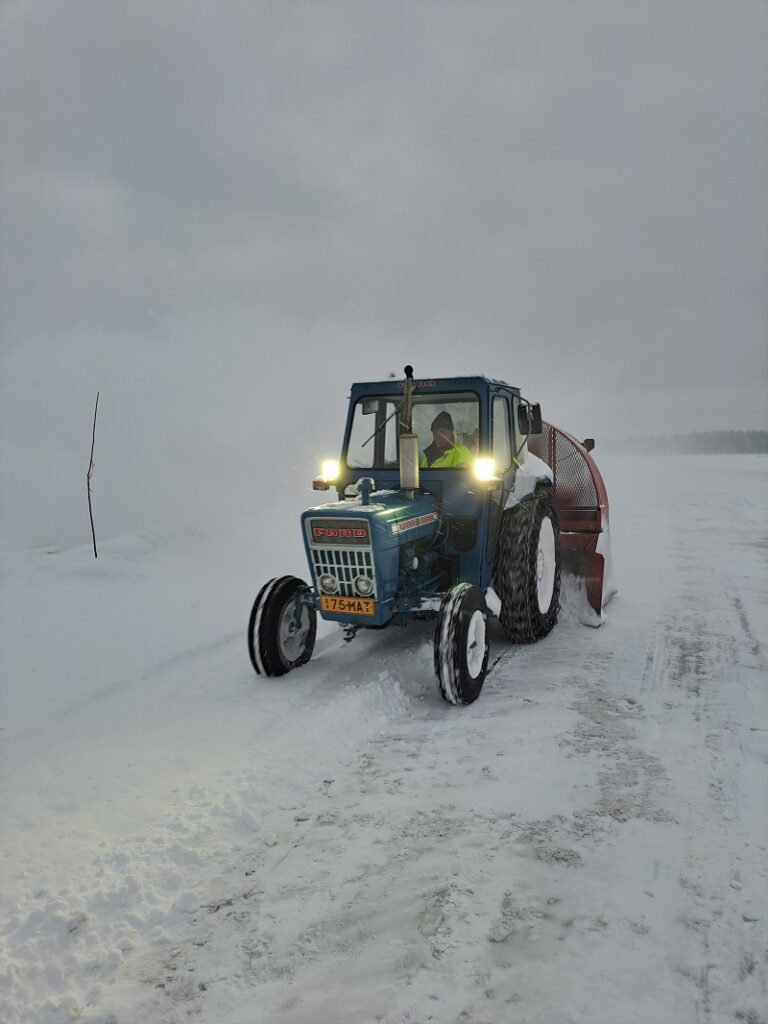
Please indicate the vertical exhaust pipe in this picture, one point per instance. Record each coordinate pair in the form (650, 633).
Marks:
(409, 442)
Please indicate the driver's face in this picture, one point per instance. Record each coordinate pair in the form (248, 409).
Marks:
(443, 438)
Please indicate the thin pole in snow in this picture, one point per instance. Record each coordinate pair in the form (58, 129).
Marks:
(90, 474)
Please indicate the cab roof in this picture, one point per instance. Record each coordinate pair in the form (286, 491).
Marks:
(423, 385)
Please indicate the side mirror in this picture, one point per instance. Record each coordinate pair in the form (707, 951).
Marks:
(536, 424)
(588, 443)
(523, 420)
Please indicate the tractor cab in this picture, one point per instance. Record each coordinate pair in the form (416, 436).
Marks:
(444, 511)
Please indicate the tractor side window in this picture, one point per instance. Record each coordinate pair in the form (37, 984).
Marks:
(373, 439)
(502, 450)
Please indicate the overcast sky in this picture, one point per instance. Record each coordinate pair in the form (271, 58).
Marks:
(252, 196)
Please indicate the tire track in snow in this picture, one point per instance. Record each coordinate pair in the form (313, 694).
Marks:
(349, 891)
(320, 913)
(699, 667)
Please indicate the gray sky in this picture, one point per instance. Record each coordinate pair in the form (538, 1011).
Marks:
(570, 195)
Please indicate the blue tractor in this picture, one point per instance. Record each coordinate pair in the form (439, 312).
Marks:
(443, 513)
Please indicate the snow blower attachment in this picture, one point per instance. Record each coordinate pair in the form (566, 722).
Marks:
(456, 503)
(581, 501)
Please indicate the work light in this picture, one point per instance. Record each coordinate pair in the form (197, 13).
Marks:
(484, 469)
(330, 470)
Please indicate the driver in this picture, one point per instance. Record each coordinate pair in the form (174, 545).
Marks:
(444, 452)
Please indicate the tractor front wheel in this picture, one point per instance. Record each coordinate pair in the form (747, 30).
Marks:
(282, 627)
(461, 644)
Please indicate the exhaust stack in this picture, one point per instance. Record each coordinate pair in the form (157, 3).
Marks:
(409, 442)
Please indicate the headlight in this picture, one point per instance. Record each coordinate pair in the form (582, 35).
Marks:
(329, 584)
(484, 469)
(330, 470)
(364, 586)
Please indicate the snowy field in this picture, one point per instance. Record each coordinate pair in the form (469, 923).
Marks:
(182, 841)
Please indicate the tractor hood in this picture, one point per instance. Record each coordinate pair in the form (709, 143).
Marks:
(389, 516)
(348, 540)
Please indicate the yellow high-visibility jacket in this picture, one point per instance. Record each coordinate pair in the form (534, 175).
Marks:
(456, 456)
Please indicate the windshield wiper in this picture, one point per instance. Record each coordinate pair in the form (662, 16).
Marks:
(382, 425)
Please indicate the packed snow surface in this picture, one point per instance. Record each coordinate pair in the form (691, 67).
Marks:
(184, 841)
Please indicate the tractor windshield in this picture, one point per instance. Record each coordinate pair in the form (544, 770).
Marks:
(448, 428)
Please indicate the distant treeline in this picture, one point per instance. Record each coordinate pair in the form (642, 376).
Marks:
(712, 442)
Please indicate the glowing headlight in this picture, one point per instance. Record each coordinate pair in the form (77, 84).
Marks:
(329, 584)
(484, 469)
(364, 586)
(329, 470)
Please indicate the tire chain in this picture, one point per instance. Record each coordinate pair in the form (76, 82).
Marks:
(516, 560)
(448, 629)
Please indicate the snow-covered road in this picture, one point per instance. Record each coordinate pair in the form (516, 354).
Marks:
(586, 843)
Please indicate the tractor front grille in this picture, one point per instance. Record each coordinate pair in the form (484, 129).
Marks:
(345, 564)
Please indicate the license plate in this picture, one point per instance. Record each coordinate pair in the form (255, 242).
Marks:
(347, 605)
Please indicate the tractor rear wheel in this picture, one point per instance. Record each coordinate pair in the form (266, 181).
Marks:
(461, 644)
(527, 574)
(282, 627)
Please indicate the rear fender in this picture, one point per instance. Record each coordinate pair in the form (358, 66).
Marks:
(531, 474)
